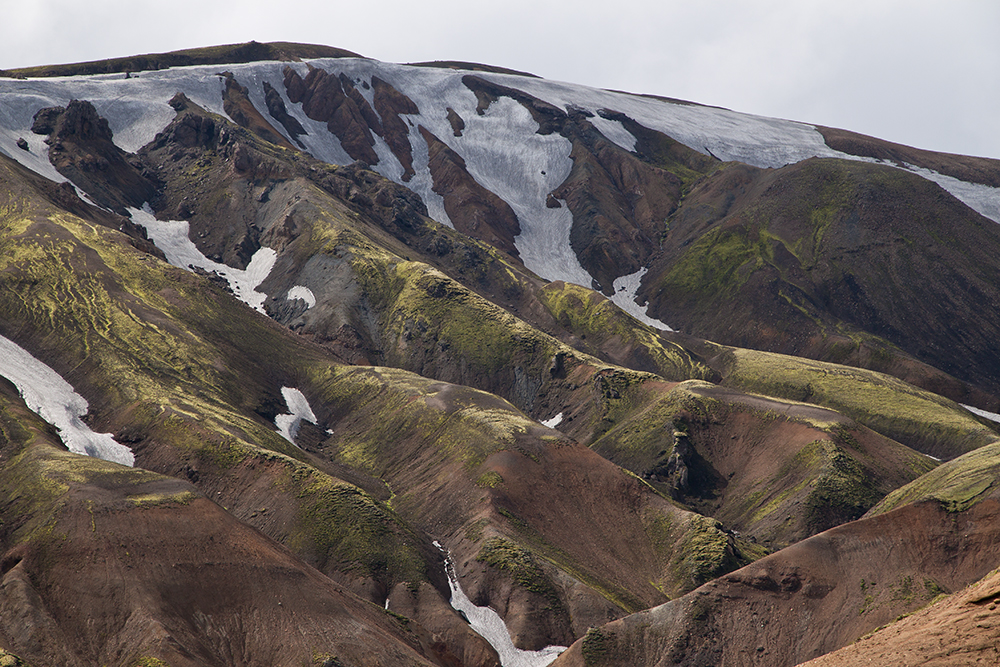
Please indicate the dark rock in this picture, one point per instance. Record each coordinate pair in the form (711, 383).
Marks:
(44, 121)
(473, 209)
(276, 108)
(457, 124)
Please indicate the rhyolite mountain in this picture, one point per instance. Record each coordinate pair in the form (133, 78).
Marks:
(664, 383)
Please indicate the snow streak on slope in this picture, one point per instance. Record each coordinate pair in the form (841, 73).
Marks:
(992, 416)
(53, 399)
(501, 148)
(552, 423)
(624, 296)
(171, 236)
(488, 625)
(136, 108)
(982, 199)
(288, 425)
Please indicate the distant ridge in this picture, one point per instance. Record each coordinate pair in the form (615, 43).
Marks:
(213, 55)
(475, 67)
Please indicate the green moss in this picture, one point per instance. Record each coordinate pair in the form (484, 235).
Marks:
(957, 485)
(489, 480)
(885, 404)
(932, 591)
(160, 499)
(719, 262)
(345, 529)
(842, 492)
(598, 646)
(704, 551)
(8, 659)
(520, 565)
(392, 409)
(586, 312)
(148, 661)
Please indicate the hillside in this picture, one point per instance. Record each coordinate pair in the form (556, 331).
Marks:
(305, 351)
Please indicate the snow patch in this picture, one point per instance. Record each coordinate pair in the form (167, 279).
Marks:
(171, 236)
(288, 425)
(992, 416)
(53, 399)
(502, 149)
(624, 296)
(555, 421)
(488, 624)
(304, 293)
(982, 199)
(614, 131)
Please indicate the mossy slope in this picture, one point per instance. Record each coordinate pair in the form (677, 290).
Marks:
(790, 259)
(774, 470)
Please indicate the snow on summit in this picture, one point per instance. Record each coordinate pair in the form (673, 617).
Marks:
(501, 147)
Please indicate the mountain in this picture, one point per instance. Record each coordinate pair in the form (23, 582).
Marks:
(304, 352)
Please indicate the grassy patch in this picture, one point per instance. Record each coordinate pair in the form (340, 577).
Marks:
(598, 646)
(885, 404)
(520, 564)
(957, 484)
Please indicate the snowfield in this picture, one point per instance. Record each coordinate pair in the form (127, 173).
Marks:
(171, 236)
(53, 399)
(501, 148)
(488, 625)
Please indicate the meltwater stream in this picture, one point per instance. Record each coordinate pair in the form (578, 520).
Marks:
(488, 624)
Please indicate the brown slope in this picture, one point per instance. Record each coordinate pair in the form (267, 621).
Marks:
(833, 248)
(963, 167)
(811, 598)
(585, 523)
(213, 55)
(104, 564)
(191, 379)
(777, 471)
(959, 631)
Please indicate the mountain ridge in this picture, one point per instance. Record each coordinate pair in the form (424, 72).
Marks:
(428, 331)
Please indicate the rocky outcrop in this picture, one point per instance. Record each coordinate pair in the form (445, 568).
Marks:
(276, 109)
(82, 149)
(473, 209)
(390, 104)
(237, 105)
(324, 99)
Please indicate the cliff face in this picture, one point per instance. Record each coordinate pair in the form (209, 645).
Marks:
(322, 379)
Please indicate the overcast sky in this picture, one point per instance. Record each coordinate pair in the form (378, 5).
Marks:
(919, 72)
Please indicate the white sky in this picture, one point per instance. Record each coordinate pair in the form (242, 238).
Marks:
(920, 72)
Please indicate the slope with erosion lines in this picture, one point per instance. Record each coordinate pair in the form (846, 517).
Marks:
(846, 581)
(191, 379)
(106, 564)
(777, 471)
